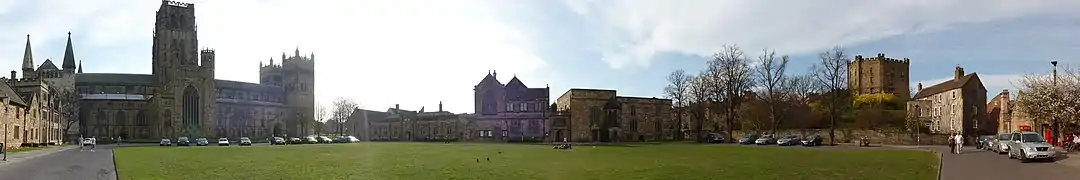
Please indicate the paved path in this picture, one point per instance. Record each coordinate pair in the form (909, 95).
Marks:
(70, 163)
(981, 164)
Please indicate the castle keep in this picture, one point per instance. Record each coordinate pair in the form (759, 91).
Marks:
(879, 75)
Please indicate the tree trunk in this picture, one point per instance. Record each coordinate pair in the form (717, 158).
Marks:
(832, 121)
(679, 126)
(772, 116)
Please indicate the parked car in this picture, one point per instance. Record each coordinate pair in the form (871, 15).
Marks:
(789, 140)
(1030, 146)
(714, 138)
(812, 140)
(202, 142)
(89, 141)
(183, 141)
(311, 140)
(165, 142)
(245, 141)
(765, 140)
(277, 141)
(346, 139)
(324, 139)
(223, 141)
(985, 142)
(296, 140)
(1001, 144)
(748, 139)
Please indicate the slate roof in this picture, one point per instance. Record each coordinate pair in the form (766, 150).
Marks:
(946, 86)
(7, 92)
(47, 65)
(369, 114)
(114, 78)
(147, 79)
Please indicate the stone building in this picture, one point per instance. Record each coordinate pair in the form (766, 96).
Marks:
(181, 97)
(510, 112)
(42, 120)
(396, 124)
(956, 106)
(13, 112)
(879, 75)
(594, 115)
(999, 111)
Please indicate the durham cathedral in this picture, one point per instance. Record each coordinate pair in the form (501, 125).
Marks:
(180, 97)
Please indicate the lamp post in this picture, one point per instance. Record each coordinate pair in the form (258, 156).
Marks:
(1053, 121)
(918, 126)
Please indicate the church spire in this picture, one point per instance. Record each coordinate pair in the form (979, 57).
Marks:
(80, 66)
(69, 56)
(28, 58)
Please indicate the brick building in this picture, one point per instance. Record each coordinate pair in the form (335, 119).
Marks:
(999, 111)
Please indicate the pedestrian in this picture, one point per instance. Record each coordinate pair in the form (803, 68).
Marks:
(959, 143)
(952, 144)
(82, 146)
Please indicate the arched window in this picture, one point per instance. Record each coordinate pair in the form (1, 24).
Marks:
(190, 107)
(140, 118)
(595, 115)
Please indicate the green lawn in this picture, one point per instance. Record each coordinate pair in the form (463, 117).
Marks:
(23, 149)
(459, 161)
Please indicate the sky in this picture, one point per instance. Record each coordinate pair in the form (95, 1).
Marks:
(418, 53)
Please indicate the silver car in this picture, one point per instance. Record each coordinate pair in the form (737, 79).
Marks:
(1029, 146)
(1001, 144)
(765, 140)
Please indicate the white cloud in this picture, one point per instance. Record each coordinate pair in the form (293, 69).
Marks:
(635, 30)
(381, 53)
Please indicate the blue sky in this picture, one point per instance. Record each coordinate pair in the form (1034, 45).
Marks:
(419, 52)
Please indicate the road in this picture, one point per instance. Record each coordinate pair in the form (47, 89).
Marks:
(980, 164)
(67, 164)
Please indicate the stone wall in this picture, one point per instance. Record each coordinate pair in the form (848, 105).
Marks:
(876, 137)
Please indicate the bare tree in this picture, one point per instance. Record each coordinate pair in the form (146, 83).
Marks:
(322, 114)
(831, 74)
(678, 92)
(343, 108)
(732, 81)
(769, 75)
(699, 93)
(801, 88)
(70, 109)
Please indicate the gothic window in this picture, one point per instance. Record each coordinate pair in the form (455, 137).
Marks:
(190, 107)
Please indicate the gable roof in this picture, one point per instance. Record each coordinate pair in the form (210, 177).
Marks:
(47, 65)
(946, 86)
(7, 92)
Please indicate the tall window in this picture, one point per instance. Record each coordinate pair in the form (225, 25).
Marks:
(191, 107)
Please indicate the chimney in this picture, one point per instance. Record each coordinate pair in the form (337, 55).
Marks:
(959, 72)
(919, 86)
(397, 106)
(440, 106)
(12, 80)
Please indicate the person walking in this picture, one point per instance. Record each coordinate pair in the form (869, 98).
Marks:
(959, 143)
(952, 144)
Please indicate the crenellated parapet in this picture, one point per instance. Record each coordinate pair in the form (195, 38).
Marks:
(881, 57)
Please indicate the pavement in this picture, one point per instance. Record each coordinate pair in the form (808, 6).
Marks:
(974, 163)
(68, 162)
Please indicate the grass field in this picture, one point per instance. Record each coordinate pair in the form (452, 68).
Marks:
(459, 161)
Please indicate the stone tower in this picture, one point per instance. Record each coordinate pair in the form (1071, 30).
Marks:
(879, 75)
(184, 79)
(296, 75)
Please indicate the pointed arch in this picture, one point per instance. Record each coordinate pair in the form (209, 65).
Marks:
(190, 108)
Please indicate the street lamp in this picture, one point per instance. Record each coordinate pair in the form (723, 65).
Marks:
(1053, 118)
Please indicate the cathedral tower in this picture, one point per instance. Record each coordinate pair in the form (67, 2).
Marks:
(296, 75)
(184, 78)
